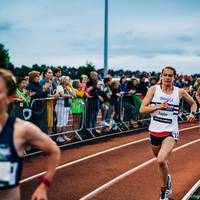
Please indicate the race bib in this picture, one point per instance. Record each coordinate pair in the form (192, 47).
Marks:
(163, 116)
(5, 164)
(175, 135)
(5, 169)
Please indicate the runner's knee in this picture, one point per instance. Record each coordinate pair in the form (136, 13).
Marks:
(161, 161)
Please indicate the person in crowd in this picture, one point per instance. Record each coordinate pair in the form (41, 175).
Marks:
(69, 88)
(133, 100)
(152, 80)
(197, 97)
(15, 134)
(179, 82)
(135, 86)
(21, 101)
(26, 78)
(123, 89)
(93, 102)
(83, 81)
(115, 103)
(34, 86)
(22, 93)
(38, 107)
(185, 105)
(142, 87)
(137, 100)
(129, 110)
(47, 79)
(132, 86)
(106, 93)
(62, 108)
(77, 107)
(56, 79)
(187, 80)
(162, 101)
(196, 84)
(123, 85)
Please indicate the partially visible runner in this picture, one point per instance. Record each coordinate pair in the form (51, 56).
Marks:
(163, 101)
(15, 134)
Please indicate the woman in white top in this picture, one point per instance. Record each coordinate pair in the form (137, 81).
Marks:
(162, 101)
(62, 108)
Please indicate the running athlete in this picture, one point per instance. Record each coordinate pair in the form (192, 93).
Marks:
(163, 101)
(15, 134)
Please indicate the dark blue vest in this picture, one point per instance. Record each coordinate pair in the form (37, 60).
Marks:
(10, 162)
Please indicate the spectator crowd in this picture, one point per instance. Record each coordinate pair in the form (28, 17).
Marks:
(54, 102)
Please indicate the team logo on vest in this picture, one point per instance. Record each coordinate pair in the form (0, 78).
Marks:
(163, 114)
(4, 152)
(169, 99)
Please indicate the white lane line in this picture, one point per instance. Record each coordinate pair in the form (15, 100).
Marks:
(96, 154)
(85, 158)
(122, 176)
(192, 190)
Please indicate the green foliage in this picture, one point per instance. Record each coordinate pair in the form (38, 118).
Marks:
(85, 70)
(65, 71)
(36, 67)
(11, 67)
(72, 72)
(21, 71)
(4, 57)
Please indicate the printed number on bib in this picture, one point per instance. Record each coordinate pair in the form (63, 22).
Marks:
(163, 116)
(175, 135)
(5, 171)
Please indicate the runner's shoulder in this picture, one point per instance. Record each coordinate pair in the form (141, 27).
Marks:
(24, 126)
(152, 89)
(181, 92)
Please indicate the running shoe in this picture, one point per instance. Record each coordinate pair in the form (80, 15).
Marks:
(66, 138)
(163, 194)
(60, 139)
(104, 123)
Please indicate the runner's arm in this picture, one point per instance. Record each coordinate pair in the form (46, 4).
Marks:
(191, 102)
(41, 141)
(146, 107)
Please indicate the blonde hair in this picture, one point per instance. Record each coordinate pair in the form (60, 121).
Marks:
(32, 75)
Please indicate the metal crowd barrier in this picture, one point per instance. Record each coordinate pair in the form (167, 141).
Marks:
(71, 121)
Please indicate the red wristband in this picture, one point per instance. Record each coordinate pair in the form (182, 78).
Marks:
(44, 180)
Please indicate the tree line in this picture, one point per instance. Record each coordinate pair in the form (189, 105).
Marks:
(73, 72)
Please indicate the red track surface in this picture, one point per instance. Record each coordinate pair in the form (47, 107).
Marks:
(77, 180)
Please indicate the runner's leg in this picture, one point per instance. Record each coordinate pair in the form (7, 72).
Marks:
(163, 155)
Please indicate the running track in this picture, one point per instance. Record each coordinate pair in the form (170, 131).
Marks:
(98, 175)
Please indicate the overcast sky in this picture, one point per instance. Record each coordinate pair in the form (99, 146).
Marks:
(144, 35)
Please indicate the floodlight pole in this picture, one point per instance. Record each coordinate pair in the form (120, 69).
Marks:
(106, 39)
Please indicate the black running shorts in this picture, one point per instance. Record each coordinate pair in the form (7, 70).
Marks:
(157, 141)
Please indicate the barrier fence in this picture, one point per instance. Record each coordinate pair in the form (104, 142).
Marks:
(69, 121)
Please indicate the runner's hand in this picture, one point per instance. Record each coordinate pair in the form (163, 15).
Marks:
(40, 193)
(163, 105)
